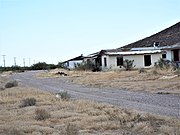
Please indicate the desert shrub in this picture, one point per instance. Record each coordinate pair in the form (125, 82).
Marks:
(89, 65)
(42, 114)
(177, 72)
(162, 64)
(71, 130)
(12, 131)
(163, 93)
(2, 88)
(155, 72)
(128, 64)
(64, 95)
(11, 84)
(28, 102)
(142, 70)
(60, 65)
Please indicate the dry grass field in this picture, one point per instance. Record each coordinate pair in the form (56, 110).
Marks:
(74, 117)
(152, 80)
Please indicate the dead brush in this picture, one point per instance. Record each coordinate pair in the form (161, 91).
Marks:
(27, 102)
(71, 130)
(42, 114)
(142, 70)
(12, 131)
(11, 84)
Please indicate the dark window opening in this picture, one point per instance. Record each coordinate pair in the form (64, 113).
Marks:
(176, 55)
(164, 56)
(98, 61)
(147, 60)
(105, 62)
(119, 61)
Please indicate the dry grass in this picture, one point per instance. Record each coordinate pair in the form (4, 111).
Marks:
(152, 80)
(74, 117)
(164, 81)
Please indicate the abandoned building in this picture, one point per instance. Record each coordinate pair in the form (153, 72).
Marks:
(145, 52)
(70, 64)
(164, 44)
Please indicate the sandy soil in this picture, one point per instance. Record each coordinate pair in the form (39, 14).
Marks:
(74, 117)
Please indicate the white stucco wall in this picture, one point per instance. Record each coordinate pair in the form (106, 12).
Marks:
(155, 58)
(138, 61)
(113, 62)
(169, 55)
(107, 60)
(71, 64)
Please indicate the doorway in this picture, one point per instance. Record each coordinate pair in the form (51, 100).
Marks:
(147, 60)
(176, 55)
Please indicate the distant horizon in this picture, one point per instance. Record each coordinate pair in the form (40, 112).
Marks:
(54, 31)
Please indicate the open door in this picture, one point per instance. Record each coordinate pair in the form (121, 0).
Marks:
(147, 60)
(176, 55)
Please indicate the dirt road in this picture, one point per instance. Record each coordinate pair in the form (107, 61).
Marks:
(168, 105)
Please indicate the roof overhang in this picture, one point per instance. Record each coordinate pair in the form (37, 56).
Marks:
(134, 52)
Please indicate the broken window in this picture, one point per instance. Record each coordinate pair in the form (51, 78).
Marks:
(119, 61)
(147, 60)
(105, 62)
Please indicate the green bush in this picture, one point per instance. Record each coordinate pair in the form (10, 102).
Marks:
(11, 84)
(162, 64)
(128, 64)
(28, 102)
(42, 114)
(39, 66)
(64, 95)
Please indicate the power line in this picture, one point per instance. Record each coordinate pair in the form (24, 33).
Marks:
(24, 62)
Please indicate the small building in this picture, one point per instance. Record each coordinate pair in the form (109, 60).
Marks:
(173, 52)
(114, 59)
(71, 63)
(144, 57)
(145, 52)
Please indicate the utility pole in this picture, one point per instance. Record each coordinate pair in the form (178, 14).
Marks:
(4, 60)
(29, 62)
(14, 61)
(24, 62)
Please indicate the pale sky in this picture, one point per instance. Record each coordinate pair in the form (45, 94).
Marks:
(56, 30)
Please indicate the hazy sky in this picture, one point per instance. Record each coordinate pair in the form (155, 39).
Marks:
(57, 30)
